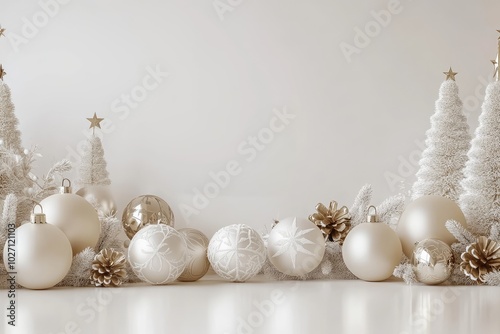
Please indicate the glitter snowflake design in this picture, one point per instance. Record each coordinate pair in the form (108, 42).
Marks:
(296, 247)
(292, 241)
(236, 252)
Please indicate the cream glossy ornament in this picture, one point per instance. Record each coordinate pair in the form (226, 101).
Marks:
(236, 252)
(146, 210)
(295, 246)
(432, 261)
(101, 195)
(425, 218)
(157, 254)
(372, 250)
(42, 254)
(74, 216)
(197, 263)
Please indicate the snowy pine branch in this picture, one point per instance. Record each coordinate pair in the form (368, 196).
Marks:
(462, 235)
(493, 278)
(405, 271)
(79, 273)
(495, 232)
(391, 207)
(359, 209)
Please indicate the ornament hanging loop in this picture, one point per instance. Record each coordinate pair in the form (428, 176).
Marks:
(39, 217)
(65, 189)
(372, 218)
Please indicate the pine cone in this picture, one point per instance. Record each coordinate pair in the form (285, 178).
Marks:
(108, 268)
(480, 258)
(332, 222)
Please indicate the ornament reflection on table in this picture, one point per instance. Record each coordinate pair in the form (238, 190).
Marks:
(102, 197)
(74, 216)
(425, 218)
(157, 254)
(43, 254)
(146, 210)
(236, 252)
(197, 263)
(432, 261)
(372, 250)
(295, 246)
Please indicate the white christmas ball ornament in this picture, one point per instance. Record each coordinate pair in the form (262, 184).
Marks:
(237, 252)
(295, 246)
(197, 263)
(157, 254)
(425, 218)
(372, 250)
(42, 254)
(74, 216)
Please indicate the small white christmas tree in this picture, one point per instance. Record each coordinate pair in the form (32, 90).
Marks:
(448, 140)
(10, 136)
(92, 171)
(480, 200)
(93, 167)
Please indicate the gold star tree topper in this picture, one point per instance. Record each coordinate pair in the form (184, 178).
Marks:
(495, 61)
(450, 75)
(95, 122)
(2, 72)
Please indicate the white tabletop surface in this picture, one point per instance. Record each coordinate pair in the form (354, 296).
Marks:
(215, 306)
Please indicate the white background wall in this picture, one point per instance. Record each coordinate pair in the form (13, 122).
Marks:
(357, 118)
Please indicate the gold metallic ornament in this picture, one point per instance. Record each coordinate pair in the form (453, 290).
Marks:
(42, 256)
(432, 261)
(76, 217)
(108, 268)
(425, 218)
(146, 210)
(372, 250)
(197, 263)
(334, 223)
(100, 195)
(480, 258)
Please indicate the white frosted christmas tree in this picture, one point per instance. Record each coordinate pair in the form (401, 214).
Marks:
(16, 175)
(480, 200)
(448, 141)
(10, 136)
(93, 167)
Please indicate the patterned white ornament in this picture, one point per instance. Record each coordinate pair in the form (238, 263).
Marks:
(295, 246)
(237, 252)
(157, 254)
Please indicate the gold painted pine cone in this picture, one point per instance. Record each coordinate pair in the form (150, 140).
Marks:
(333, 222)
(108, 268)
(480, 258)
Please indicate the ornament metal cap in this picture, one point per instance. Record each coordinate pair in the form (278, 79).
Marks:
(38, 218)
(372, 218)
(65, 189)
